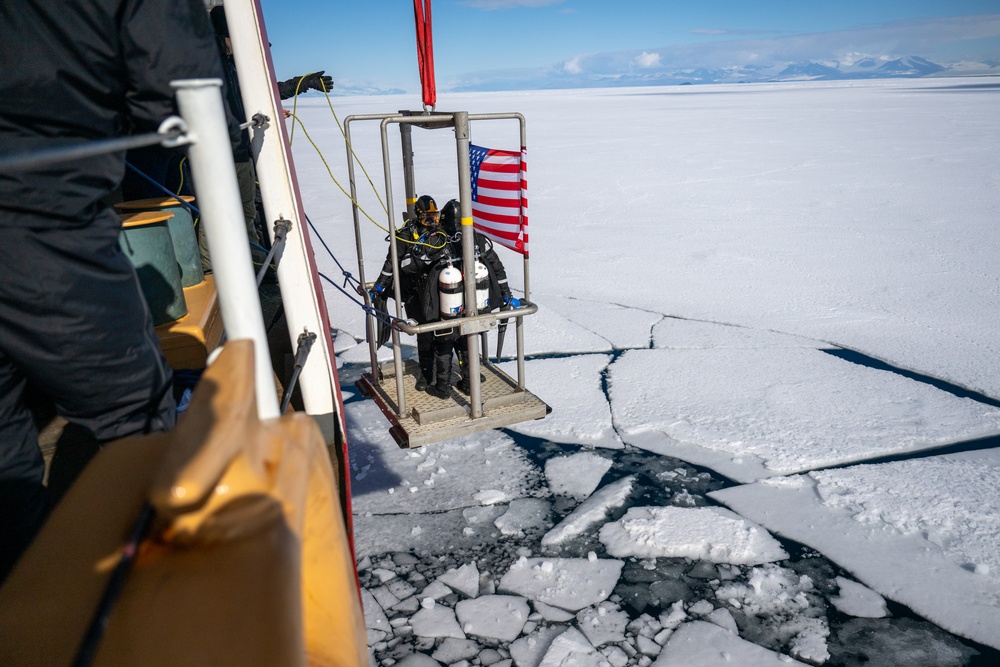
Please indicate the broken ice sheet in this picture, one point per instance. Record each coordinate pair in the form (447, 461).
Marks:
(464, 580)
(576, 475)
(572, 648)
(591, 511)
(580, 410)
(705, 533)
(523, 514)
(500, 617)
(706, 645)
(436, 621)
(603, 624)
(567, 583)
(858, 600)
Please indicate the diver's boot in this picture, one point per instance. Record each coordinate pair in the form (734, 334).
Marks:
(425, 359)
(423, 379)
(463, 384)
(442, 366)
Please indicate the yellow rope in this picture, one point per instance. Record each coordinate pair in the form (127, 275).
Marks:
(330, 172)
(297, 120)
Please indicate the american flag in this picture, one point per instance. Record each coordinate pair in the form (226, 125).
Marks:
(500, 196)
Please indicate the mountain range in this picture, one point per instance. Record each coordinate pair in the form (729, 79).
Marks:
(866, 67)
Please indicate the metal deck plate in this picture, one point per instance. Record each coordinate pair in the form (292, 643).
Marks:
(431, 419)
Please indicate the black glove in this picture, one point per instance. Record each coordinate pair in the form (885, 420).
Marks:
(316, 81)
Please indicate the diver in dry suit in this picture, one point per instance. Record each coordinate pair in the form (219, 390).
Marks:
(499, 291)
(421, 245)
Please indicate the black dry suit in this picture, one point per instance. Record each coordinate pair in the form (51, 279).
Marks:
(420, 248)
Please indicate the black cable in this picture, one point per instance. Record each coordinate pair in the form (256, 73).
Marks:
(113, 590)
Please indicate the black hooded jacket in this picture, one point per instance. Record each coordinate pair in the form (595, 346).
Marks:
(73, 70)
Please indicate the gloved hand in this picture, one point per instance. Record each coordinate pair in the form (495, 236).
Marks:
(379, 303)
(512, 302)
(316, 81)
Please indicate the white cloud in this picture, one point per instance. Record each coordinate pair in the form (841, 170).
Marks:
(572, 66)
(647, 60)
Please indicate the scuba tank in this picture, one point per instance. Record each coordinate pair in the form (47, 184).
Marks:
(482, 286)
(450, 289)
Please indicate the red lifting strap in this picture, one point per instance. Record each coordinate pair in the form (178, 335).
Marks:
(425, 51)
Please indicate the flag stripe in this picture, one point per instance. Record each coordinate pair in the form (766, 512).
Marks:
(499, 196)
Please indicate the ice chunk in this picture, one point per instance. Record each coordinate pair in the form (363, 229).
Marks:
(523, 513)
(576, 475)
(567, 583)
(491, 496)
(571, 648)
(552, 613)
(464, 580)
(418, 660)
(493, 616)
(591, 511)
(707, 645)
(437, 621)
(603, 624)
(375, 618)
(704, 533)
(452, 650)
(724, 619)
(528, 651)
(647, 646)
(809, 642)
(435, 590)
(858, 600)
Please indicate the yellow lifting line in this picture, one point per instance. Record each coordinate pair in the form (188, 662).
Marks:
(296, 119)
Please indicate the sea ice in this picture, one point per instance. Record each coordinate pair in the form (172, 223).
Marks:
(704, 533)
(704, 644)
(464, 580)
(523, 514)
(567, 583)
(576, 475)
(571, 648)
(591, 511)
(603, 624)
(858, 600)
(498, 617)
(436, 621)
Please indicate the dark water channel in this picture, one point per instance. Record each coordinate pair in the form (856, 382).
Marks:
(901, 638)
(650, 587)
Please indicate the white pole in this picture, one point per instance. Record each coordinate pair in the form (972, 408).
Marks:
(301, 295)
(211, 159)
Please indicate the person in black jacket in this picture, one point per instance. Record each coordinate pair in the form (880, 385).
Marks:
(74, 326)
(420, 246)
(242, 156)
(499, 292)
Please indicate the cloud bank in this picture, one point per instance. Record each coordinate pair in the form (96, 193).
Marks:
(751, 58)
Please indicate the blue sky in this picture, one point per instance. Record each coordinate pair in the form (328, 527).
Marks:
(371, 43)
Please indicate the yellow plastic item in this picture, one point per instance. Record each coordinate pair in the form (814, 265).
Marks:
(248, 564)
(187, 342)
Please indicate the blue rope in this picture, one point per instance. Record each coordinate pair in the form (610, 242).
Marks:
(181, 200)
(350, 279)
(163, 189)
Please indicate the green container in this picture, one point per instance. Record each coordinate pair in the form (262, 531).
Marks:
(145, 238)
(182, 233)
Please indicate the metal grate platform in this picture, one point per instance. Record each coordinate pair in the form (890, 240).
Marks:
(431, 419)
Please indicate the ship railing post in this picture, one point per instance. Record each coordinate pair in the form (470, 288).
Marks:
(212, 168)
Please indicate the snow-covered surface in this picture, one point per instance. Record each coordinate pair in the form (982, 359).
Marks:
(707, 645)
(704, 533)
(923, 532)
(790, 409)
(694, 251)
